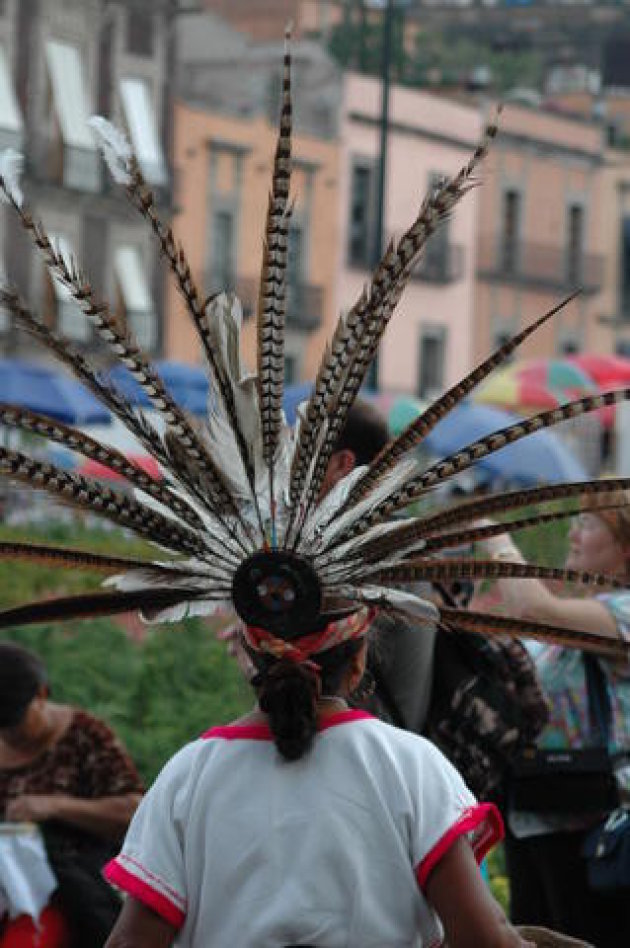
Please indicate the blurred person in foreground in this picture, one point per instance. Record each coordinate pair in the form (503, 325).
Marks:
(64, 770)
(546, 867)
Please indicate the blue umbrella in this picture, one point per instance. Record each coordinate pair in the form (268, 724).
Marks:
(294, 395)
(188, 384)
(540, 458)
(38, 388)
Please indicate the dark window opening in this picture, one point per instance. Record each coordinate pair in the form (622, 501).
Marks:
(139, 33)
(431, 368)
(360, 216)
(510, 231)
(575, 244)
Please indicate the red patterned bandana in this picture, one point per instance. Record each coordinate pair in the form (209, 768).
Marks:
(300, 650)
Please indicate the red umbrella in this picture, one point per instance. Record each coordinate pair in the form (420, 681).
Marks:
(102, 473)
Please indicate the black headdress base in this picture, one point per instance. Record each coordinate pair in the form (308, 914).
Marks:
(279, 591)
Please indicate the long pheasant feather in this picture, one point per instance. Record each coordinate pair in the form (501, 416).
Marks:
(468, 455)
(273, 288)
(126, 170)
(127, 353)
(76, 440)
(360, 332)
(420, 427)
(483, 623)
(477, 508)
(81, 492)
(72, 558)
(90, 605)
(430, 570)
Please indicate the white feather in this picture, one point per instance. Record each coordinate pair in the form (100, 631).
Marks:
(394, 479)
(11, 167)
(186, 610)
(390, 598)
(115, 148)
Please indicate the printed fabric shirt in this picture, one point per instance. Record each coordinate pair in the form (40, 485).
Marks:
(87, 761)
(235, 846)
(563, 678)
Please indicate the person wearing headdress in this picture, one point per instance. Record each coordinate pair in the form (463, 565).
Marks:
(307, 822)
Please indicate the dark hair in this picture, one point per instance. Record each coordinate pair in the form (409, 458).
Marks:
(22, 674)
(288, 694)
(365, 432)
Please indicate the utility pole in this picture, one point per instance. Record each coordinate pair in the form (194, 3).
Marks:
(378, 237)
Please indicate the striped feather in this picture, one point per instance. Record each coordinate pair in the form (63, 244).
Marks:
(70, 558)
(130, 356)
(90, 605)
(431, 570)
(468, 455)
(272, 304)
(76, 440)
(88, 495)
(361, 331)
(477, 508)
(142, 198)
(418, 429)
(481, 623)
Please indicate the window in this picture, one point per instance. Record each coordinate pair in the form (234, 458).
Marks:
(80, 160)
(136, 299)
(625, 269)
(431, 367)
(11, 127)
(360, 229)
(222, 249)
(510, 231)
(295, 255)
(140, 116)
(139, 33)
(569, 347)
(575, 243)
(290, 369)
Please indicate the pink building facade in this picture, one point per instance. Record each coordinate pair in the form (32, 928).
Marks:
(430, 343)
(541, 234)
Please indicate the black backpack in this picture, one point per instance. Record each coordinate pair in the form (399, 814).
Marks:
(487, 705)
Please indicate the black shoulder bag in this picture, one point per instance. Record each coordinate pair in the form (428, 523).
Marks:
(607, 847)
(575, 780)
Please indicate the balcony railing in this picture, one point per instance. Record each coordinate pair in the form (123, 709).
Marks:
(304, 309)
(443, 266)
(539, 265)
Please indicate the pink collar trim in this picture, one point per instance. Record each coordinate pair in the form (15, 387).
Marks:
(261, 732)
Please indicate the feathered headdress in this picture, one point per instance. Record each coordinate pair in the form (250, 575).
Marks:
(238, 516)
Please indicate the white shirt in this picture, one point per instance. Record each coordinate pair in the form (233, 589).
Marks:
(237, 847)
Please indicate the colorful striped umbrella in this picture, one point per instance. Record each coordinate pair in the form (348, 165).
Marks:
(532, 385)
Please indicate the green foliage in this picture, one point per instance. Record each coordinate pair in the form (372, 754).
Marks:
(439, 58)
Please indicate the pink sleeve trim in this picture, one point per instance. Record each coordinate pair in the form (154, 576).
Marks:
(144, 893)
(484, 824)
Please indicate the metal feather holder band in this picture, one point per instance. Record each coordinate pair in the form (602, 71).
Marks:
(237, 517)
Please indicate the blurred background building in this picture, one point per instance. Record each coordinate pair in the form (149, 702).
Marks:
(60, 62)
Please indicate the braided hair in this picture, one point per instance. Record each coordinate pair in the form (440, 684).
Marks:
(288, 693)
